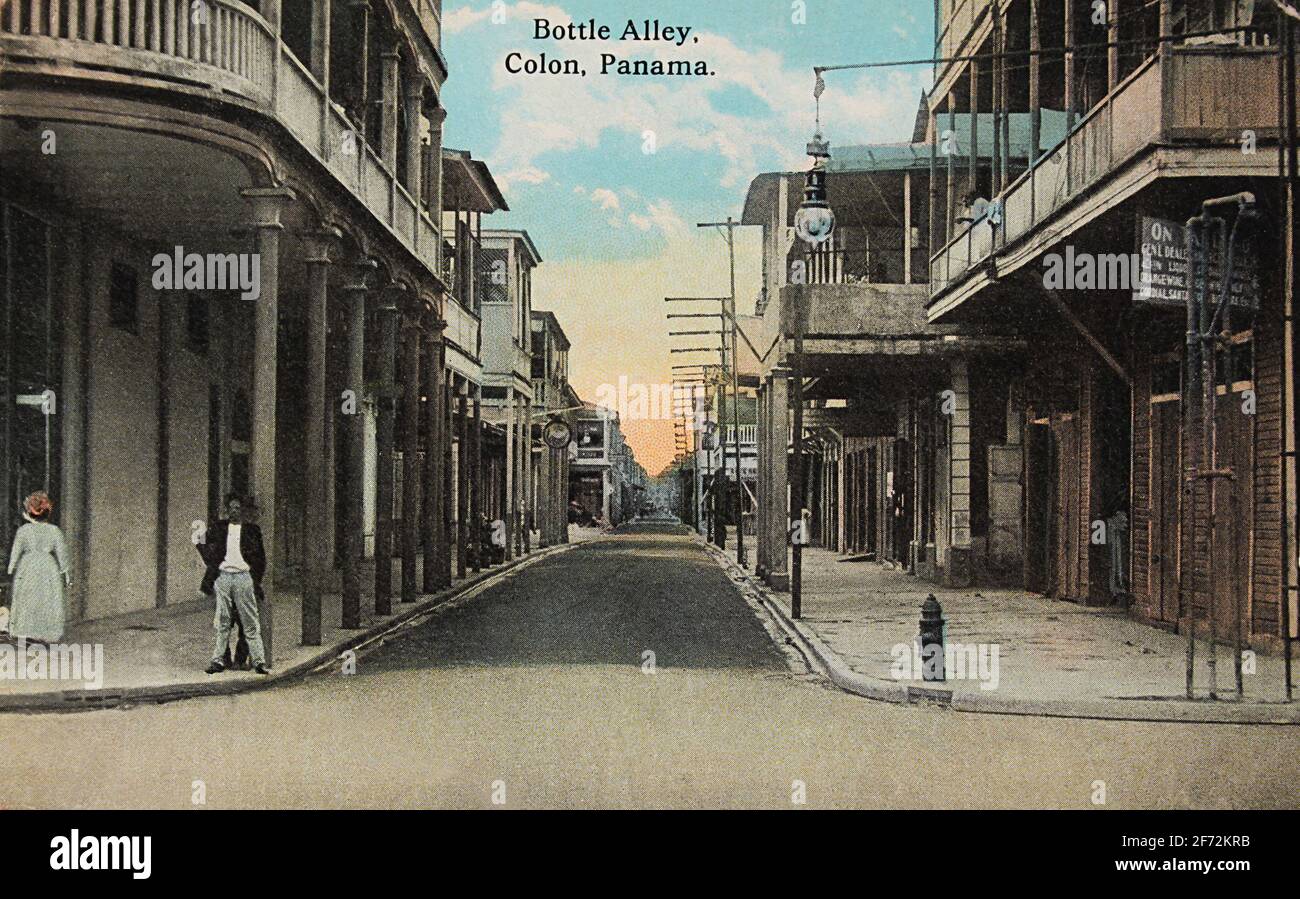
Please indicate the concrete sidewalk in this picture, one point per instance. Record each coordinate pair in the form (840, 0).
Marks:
(860, 621)
(160, 654)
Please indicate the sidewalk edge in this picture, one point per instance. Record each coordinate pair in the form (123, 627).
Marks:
(845, 678)
(109, 698)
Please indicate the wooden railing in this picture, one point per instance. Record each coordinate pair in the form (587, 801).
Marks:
(222, 34)
(225, 46)
(1187, 93)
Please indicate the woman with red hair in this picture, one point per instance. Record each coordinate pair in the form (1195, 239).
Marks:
(39, 564)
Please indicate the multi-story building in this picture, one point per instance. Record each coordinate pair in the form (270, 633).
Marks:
(1163, 105)
(605, 479)
(469, 193)
(878, 475)
(223, 238)
(1014, 411)
(553, 398)
(506, 262)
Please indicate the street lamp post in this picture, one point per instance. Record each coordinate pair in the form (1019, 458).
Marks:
(814, 223)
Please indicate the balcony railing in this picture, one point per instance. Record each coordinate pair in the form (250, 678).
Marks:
(224, 46)
(1185, 93)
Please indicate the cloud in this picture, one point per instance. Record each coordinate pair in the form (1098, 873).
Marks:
(605, 198)
(662, 217)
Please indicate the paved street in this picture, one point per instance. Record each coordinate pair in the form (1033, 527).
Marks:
(541, 690)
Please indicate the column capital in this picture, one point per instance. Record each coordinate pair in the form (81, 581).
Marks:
(436, 115)
(356, 273)
(267, 204)
(318, 242)
(389, 299)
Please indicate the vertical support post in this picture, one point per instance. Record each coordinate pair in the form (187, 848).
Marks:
(476, 493)
(462, 482)
(433, 376)
(779, 571)
(1069, 67)
(354, 443)
(1035, 82)
(385, 439)
(388, 107)
(267, 205)
(973, 159)
(508, 514)
(411, 338)
(907, 227)
(1112, 41)
(951, 186)
(412, 103)
(319, 560)
(446, 556)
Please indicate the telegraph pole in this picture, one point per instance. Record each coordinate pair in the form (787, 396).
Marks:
(731, 225)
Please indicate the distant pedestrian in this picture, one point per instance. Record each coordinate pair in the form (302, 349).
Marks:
(236, 562)
(39, 564)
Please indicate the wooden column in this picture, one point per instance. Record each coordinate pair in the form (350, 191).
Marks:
(412, 103)
(445, 521)
(361, 22)
(950, 200)
(267, 205)
(462, 482)
(907, 227)
(1112, 38)
(526, 475)
(507, 514)
(1069, 65)
(386, 453)
(318, 561)
(412, 335)
(434, 374)
(1035, 82)
(778, 563)
(476, 475)
(388, 108)
(972, 176)
(354, 448)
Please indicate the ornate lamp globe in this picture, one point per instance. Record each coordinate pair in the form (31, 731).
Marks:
(815, 221)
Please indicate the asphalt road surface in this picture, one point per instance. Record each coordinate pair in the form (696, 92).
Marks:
(626, 672)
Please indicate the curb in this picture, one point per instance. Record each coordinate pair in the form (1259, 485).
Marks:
(94, 700)
(1175, 710)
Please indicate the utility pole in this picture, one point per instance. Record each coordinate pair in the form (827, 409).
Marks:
(1287, 169)
(731, 225)
(690, 369)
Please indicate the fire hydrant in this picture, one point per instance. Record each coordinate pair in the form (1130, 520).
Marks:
(932, 625)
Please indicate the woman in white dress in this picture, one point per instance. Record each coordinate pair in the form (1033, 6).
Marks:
(39, 564)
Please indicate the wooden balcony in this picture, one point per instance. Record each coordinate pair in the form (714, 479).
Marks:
(224, 51)
(1189, 96)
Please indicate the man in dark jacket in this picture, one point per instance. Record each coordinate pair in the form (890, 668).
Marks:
(236, 562)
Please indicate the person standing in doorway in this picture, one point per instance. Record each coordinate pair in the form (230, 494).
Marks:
(39, 564)
(236, 562)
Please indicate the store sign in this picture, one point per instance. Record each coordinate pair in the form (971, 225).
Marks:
(1163, 265)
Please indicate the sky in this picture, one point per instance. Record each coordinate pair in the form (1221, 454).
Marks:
(609, 174)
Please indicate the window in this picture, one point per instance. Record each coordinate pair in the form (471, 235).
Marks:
(494, 270)
(123, 303)
(196, 323)
(591, 434)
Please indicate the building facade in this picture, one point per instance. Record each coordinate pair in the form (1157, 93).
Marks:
(553, 399)
(994, 343)
(507, 259)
